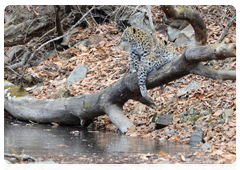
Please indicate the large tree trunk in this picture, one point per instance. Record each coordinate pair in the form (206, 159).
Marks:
(84, 108)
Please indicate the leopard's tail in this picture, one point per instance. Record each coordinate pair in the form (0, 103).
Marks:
(142, 76)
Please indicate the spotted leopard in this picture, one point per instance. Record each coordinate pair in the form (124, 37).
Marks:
(164, 54)
(141, 44)
(142, 59)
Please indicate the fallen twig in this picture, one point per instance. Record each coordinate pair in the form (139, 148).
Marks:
(228, 26)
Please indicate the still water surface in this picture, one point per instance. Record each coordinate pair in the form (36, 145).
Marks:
(41, 139)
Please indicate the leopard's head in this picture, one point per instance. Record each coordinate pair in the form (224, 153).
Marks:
(130, 34)
(165, 48)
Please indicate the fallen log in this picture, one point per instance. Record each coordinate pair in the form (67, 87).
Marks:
(84, 108)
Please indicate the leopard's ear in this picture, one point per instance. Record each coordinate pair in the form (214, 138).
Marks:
(134, 30)
(165, 42)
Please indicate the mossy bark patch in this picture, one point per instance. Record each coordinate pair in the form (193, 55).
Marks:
(15, 91)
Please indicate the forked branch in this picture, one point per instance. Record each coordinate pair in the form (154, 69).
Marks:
(211, 52)
(214, 74)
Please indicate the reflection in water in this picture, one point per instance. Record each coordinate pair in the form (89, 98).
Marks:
(48, 140)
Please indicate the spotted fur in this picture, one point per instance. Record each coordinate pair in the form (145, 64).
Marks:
(141, 44)
(164, 54)
(142, 59)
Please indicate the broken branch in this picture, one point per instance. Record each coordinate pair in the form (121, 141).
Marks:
(214, 74)
(211, 52)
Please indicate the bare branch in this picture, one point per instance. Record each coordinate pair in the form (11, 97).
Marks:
(12, 69)
(135, 10)
(211, 52)
(214, 74)
(117, 117)
(228, 26)
(152, 26)
(57, 38)
(21, 63)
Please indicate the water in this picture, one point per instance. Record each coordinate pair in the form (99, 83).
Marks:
(45, 140)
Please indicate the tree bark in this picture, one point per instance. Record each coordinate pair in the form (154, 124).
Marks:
(84, 108)
(192, 17)
(25, 31)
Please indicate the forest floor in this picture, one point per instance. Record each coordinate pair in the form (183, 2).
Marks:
(107, 64)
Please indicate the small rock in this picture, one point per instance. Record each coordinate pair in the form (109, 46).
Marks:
(187, 113)
(186, 37)
(139, 20)
(190, 112)
(7, 164)
(205, 112)
(197, 136)
(226, 113)
(207, 147)
(221, 121)
(78, 73)
(181, 115)
(13, 52)
(182, 40)
(170, 132)
(173, 33)
(188, 31)
(192, 86)
(163, 121)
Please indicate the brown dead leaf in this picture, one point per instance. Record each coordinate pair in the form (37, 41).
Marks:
(217, 152)
(217, 113)
(113, 31)
(135, 134)
(163, 153)
(231, 124)
(131, 130)
(229, 157)
(34, 93)
(231, 133)
(102, 43)
(183, 158)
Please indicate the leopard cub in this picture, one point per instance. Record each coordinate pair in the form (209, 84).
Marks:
(141, 44)
(164, 54)
(142, 59)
